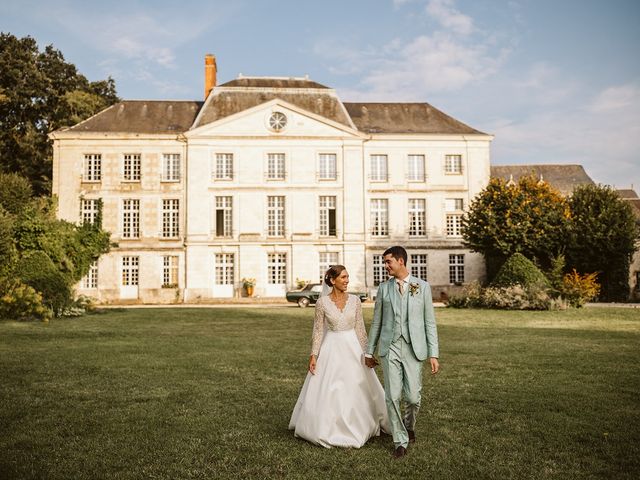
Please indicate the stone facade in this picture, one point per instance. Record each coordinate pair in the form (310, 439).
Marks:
(274, 192)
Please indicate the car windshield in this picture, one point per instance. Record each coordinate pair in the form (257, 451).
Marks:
(316, 288)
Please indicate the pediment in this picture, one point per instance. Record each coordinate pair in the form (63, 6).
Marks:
(275, 118)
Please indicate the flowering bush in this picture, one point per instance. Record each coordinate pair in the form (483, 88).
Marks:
(579, 289)
(21, 302)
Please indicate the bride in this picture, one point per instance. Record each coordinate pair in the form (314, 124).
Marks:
(342, 402)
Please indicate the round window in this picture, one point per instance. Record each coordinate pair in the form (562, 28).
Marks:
(277, 121)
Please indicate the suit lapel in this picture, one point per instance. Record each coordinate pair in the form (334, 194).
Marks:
(395, 296)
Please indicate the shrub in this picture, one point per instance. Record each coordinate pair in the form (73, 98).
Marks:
(517, 297)
(470, 297)
(37, 270)
(21, 302)
(519, 270)
(579, 289)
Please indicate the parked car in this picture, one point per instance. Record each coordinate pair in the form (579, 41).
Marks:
(310, 293)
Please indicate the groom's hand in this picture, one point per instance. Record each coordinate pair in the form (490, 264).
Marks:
(435, 365)
(370, 362)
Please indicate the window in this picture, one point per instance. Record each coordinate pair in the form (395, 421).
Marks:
(453, 163)
(277, 121)
(224, 216)
(418, 265)
(417, 217)
(170, 218)
(130, 218)
(130, 271)
(275, 166)
(454, 207)
(224, 167)
(378, 168)
(277, 268)
(92, 168)
(328, 169)
(379, 272)
(275, 216)
(171, 167)
(379, 217)
(326, 260)
(456, 268)
(224, 263)
(415, 168)
(170, 271)
(131, 167)
(328, 216)
(91, 278)
(89, 210)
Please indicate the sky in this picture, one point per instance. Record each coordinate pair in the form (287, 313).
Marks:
(556, 81)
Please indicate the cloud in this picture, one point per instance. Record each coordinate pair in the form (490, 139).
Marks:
(445, 13)
(617, 97)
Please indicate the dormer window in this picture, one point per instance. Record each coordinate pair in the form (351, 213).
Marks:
(277, 121)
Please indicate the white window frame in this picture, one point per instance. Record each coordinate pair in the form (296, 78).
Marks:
(456, 268)
(171, 166)
(276, 216)
(419, 265)
(223, 167)
(90, 280)
(170, 271)
(454, 224)
(379, 271)
(130, 268)
(328, 203)
(224, 268)
(89, 210)
(417, 217)
(131, 218)
(170, 218)
(327, 166)
(277, 268)
(416, 168)
(276, 166)
(92, 167)
(453, 164)
(131, 167)
(326, 260)
(379, 208)
(379, 168)
(224, 203)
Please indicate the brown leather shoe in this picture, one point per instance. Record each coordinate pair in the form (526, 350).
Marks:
(399, 452)
(412, 436)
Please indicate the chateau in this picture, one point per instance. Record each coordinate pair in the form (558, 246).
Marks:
(273, 179)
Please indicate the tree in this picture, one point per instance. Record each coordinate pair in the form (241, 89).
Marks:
(506, 218)
(602, 238)
(40, 92)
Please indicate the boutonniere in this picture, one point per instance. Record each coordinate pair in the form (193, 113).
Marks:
(414, 289)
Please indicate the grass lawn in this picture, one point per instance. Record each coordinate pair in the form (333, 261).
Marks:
(207, 393)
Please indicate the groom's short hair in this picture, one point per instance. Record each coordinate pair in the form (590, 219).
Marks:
(396, 252)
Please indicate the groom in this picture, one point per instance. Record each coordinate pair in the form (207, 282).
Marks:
(405, 325)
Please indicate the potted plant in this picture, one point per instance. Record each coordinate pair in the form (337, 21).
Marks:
(249, 284)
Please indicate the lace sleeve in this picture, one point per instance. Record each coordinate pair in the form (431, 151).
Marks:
(361, 333)
(318, 329)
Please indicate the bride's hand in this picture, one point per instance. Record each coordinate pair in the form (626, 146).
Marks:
(312, 364)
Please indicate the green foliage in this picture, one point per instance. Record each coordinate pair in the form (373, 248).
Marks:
(519, 270)
(21, 302)
(37, 270)
(602, 238)
(39, 93)
(528, 217)
(7, 245)
(578, 289)
(15, 192)
(513, 297)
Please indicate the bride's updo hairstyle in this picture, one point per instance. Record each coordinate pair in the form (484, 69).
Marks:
(333, 273)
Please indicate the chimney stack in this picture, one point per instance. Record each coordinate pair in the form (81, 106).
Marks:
(210, 72)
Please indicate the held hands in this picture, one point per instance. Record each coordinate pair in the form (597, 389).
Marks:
(371, 362)
(312, 364)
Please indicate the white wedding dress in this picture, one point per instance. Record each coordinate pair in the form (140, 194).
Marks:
(343, 404)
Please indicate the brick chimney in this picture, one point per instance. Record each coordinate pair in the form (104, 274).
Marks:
(210, 71)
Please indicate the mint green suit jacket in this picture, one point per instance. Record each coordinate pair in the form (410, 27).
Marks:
(422, 320)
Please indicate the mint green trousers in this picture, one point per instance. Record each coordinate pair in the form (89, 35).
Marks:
(402, 380)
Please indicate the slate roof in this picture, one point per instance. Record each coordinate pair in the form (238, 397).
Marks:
(563, 178)
(404, 118)
(627, 194)
(166, 117)
(141, 116)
